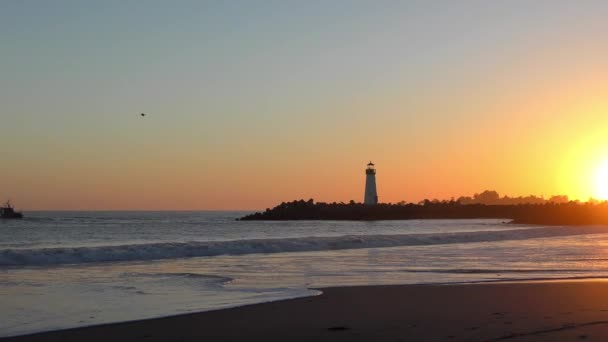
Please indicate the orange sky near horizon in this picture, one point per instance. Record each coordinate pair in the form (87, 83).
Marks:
(545, 157)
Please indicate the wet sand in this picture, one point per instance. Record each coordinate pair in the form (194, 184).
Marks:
(530, 311)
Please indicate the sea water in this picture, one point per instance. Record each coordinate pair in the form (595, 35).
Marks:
(67, 269)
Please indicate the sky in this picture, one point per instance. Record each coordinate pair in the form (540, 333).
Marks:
(251, 103)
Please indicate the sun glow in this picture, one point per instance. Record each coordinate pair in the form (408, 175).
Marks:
(601, 180)
(583, 172)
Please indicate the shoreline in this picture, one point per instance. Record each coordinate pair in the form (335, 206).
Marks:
(318, 291)
(512, 309)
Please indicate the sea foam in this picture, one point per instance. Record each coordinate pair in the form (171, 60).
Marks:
(175, 250)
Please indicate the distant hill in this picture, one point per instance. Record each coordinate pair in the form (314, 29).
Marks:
(492, 197)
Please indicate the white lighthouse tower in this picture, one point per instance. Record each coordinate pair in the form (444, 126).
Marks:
(371, 196)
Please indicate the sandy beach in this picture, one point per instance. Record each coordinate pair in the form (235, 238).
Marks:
(523, 311)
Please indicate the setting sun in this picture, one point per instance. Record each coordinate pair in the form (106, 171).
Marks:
(601, 181)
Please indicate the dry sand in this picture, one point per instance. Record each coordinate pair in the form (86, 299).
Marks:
(531, 311)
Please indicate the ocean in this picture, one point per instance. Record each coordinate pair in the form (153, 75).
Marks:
(68, 269)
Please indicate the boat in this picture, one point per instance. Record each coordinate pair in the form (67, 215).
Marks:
(7, 212)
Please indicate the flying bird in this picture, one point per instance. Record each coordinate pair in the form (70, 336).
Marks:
(143, 114)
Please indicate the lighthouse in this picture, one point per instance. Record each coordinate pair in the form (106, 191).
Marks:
(371, 196)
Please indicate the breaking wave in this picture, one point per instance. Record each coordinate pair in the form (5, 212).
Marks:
(156, 251)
